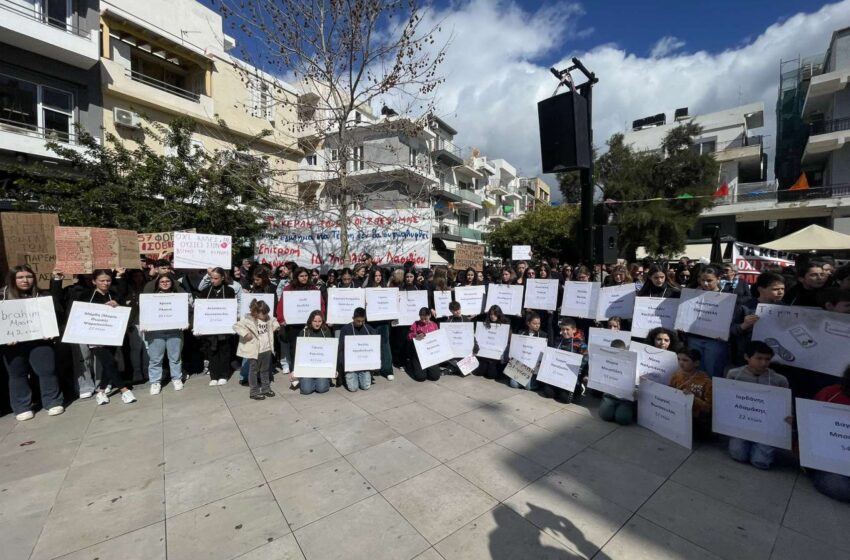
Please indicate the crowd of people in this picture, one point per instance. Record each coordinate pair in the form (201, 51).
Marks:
(263, 345)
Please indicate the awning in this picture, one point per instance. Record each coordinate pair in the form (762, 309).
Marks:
(450, 245)
(437, 260)
(809, 238)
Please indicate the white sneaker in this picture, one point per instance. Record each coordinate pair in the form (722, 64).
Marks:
(155, 388)
(213, 382)
(101, 397)
(24, 416)
(178, 385)
(86, 395)
(108, 389)
(56, 410)
(222, 381)
(390, 377)
(128, 397)
(206, 368)
(284, 367)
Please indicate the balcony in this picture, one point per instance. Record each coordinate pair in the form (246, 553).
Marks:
(497, 187)
(752, 202)
(123, 82)
(32, 30)
(481, 164)
(512, 192)
(498, 216)
(447, 152)
(744, 149)
(31, 140)
(825, 137)
(469, 234)
(470, 199)
(822, 88)
(446, 231)
(447, 191)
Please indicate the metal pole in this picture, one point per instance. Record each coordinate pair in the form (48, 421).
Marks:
(586, 176)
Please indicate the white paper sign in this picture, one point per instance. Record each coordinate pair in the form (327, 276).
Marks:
(541, 294)
(506, 296)
(342, 302)
(705, 313)
(467, 365)
(362, 352)
(751, 411)
(245, 305)
(666, 411)
(381, 304)
(471, 299)
(651, 313)
(519, 372)
(298, 304)
(198, 250)
(604, 337)
(97, 324)
(434, 349)
(441, 303)
(612, 371)
(214, 316)
(805, 337)
(316, 357)
(492, 341)
(824, 430)
(27, 319)
(560, 368)
(580, 299)
(616, 301)
(654, 363)
(163, 312)
(461, 337)
(409, 304)
(521, 252)
(527, 349)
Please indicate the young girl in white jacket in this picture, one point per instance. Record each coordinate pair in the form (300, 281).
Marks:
(256, 344)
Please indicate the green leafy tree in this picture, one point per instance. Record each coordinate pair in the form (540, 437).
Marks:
(550, 230)
(658, 195)
(111, 185)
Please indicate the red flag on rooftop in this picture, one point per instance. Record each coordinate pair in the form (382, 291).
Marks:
(722, 191)
(801, 184)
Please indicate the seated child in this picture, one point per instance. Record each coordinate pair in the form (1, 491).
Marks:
(357, 326)
(834, 485)
(614, 409)
(532, 323)
(570, 339)
(418, 330)
(758, 356)
(691, 381)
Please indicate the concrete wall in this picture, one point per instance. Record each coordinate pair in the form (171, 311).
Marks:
(83, 84)
(838, 167)
(841, 105)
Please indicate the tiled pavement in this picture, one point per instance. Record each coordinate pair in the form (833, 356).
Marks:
(463, 468)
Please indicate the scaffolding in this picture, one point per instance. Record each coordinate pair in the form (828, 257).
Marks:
(792, 132)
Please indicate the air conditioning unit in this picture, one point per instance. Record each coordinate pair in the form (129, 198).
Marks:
(125, 118)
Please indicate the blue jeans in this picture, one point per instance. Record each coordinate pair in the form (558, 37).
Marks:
(836, 486)
(314, 385)
(757, 454)
(353, 379)
(244, 369)
(532, 384)
(158, 343)
(715, 355)
(32, 356)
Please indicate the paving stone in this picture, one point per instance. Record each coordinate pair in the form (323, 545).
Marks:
(446, 440)
(529, 406)
(391, 462)
(540, 445)
(576, 427)
(190, 453)
(24, 506)
(490, 422)
(295, 454)
(818, 517)
(409, 417)
(640, 539)
(448, 403)
(643, 448)
(497, 470)
(791, 545)
(147, 543)
(358, 434)
(282, 548)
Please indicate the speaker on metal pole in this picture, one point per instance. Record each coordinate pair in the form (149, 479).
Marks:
(605, 247)
(564, 138)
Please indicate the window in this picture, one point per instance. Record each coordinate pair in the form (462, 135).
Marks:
(357, 163)
(414, 157)
(358, 117)
(312, 159)
(334, 154)
(463, 220)
(261, 103)
(36, 108)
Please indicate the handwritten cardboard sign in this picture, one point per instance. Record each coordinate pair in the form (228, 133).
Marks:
(74, 251)
(469, 255)
(25, 233)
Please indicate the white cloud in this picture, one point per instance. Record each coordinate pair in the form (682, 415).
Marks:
(495, 77)
(666, 46)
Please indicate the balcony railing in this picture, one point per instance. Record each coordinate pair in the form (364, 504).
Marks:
(37, 132)
(825, 127)
(446, 229)
(164, 86)
(469, 233)
(768, 191)
(41, 17)
(447, 146)
(469, 196)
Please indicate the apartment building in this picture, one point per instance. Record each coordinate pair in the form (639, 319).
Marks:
(167, 58)
(49, 78)
(535, 193)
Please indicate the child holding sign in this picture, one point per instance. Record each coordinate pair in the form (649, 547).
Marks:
(357, 326)
(758, 356)
(217, 348)
(532, 323)
(571, 339)
(490, 367)
(834, 485)
(256, 344)
(418, 330)
(613, 409)
(315, 328)
(691, 381)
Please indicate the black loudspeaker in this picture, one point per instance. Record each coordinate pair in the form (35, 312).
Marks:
(564, 138)
(606, 250)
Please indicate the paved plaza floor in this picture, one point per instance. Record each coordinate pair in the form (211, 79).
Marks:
(460, 469)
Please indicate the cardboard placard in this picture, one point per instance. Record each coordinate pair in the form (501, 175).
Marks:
(96, 324)
(298, 304)
(441, 303)
(471, 299)
(706, 313)
(381, 304)
(666, 411)
(519, 372)
(824, 431)
(27, 233)
(527, 349)
(461, 337)
(362, 353)
(751, 411)
(612, 371)
(199, 250)
(342, 302)
(560, 368)
(506, 296)
(652, 312)
(409, 304)
(468, 365)
(114, 248)
(214, 316)
(492, 340)
(580, 299)
(541, 294)
(316, 357)
(27, 319)
(434, 349)
(656, 364)
(616, 301)
(604, 337)
(469, 255)
(247, 298)
(73, 249)
(42, 264)
(521, 252)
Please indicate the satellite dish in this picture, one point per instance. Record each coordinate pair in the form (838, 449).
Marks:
(476, 152)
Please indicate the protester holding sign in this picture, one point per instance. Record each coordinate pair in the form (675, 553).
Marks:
(570, 339)
(491, 367)
(361, 379)
(159, 342)
(770, 289)
(758, 356)
(22, 356)
(691, 381)
(715, 351)
(834, 485)
(658, 284)
(402, 349)
(664, 339)
(217, 348)
(613, 409)
(418, 330)
(533, 330)
(289, 334)
(376, 280)
(256, 344)
(105, 355)
(315, 328)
